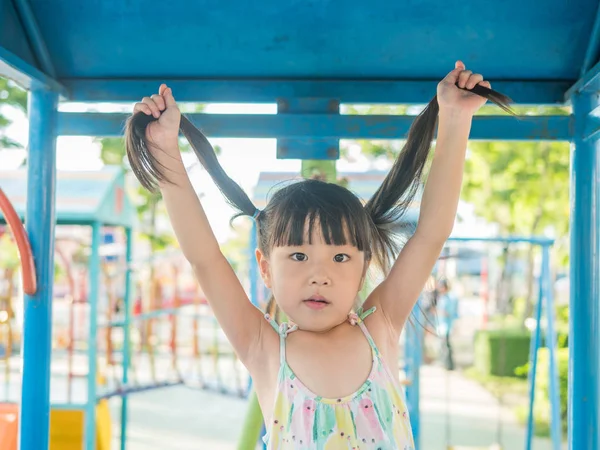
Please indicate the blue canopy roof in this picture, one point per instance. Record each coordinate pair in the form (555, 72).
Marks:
(82, 197)
(96, 48)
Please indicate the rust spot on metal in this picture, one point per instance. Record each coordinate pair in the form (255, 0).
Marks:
(282, 105)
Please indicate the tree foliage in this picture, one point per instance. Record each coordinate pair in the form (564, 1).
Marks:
(13, 96)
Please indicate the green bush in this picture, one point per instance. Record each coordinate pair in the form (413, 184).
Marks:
(500, 352)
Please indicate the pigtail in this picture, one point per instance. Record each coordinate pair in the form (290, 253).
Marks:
(396, 193)
(149, 171)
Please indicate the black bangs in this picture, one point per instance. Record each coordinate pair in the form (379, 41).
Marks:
(298, 209)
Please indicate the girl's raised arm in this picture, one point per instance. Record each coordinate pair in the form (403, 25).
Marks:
(453, 110)
(153, 151)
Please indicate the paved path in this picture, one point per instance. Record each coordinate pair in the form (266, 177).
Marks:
(184, 419)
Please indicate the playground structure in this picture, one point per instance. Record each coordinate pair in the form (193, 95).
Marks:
(401, 52)
(173, 338)
(544, 319)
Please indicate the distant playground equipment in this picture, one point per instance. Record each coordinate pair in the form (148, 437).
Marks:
(119, 326)
(484, 263)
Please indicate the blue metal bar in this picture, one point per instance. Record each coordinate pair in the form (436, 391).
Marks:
(593, 48)
(39, 221)
(308, 147)
(144, 316)
(551, 345)
(126, 332)
(23, 73)
(69, 406)
(94, 276)
(534, 346)
(34, 36)
(592, 129)
(253, 265)
(413, 357)
(584, 337)
(126, 390)
(326, 126)
(534, 92)
(508, 239)
(588, 83)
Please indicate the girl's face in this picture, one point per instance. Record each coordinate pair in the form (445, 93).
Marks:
(316, 285)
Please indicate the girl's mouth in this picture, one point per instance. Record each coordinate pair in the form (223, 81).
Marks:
(316, 302)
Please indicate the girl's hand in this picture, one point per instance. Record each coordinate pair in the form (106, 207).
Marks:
(450, 97)
(164, 132)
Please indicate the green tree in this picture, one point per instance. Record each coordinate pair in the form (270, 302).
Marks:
(524, 188)
(13, 96)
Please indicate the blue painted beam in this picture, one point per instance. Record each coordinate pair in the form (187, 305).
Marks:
(126, 333)
(94, 275)
(509, 239)
(593, 49)
(588, 83)
(547, 288)
(34, 36)
(24, 74)
(308, 147)
(584, 317)
(39, 223)
(534, 345)
(592, 129)
(268, 91)
(325, 126)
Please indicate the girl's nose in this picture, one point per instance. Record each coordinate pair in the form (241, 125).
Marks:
(320, 280)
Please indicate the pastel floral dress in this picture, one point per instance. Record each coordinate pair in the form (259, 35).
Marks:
(374, 417)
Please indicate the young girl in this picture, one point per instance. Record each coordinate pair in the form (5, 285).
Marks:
(327, 378)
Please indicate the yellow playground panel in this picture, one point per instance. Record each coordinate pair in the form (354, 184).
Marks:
(66, 427)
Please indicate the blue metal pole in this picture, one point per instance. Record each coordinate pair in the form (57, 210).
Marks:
(556, 429)
(584, 340)
(126, 333)
(253, 265)
(94, 268)
(533, 354)
(413, 356)
(253, 275)
(39, 220)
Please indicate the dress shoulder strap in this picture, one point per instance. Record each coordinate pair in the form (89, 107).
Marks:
(358, 319)
(283, 329)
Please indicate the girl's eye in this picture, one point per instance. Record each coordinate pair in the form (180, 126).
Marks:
(299, 257)
(341, 257)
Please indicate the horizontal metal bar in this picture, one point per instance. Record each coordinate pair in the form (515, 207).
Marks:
(325, 126)
(126, 390)
(533, 92)
(153, 315)
(27, 76)
(69, 406)
(505, 240)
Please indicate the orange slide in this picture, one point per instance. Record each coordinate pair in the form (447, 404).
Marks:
(27, 263)
(9, 426)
